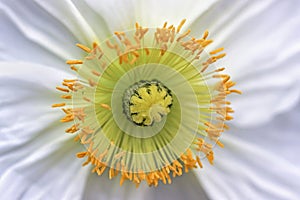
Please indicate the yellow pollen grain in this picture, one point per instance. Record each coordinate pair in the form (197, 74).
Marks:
(66, 96)
(206, 43)
(62, 89)
(216, 51)
(105, 106)
(205, 34)
(180, 25)
(220, 144)
(70, 80)
(72, 129)
(220, 56)
(183, 35)
(74, 62)
(147, 51)
(235, 91)
(92, 83)
(96, 73)
(86, 99)
(58, 105)
(84, 48)
(165, 24)
(220, 69)
(73, 68)
(226, 79)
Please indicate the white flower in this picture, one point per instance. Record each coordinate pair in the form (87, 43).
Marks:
(261, 40)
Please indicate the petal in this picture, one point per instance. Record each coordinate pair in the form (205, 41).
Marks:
(101, 187)
(27, 92)
(32, 35)
(35, 150)
(48, 31)
(261, 42)
(49, 172)
(73, 18)
(147, 13)
(186, 186)
(260, 164)
(259, 105)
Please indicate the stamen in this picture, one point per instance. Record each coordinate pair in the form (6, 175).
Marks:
(74, 62)
(84, 48)
(105, 106)
(96, 73)
(58, 105)
(66, 96)
(180, 25)
(205, 34)
(73, 68)
(216, 51)
(183, 35)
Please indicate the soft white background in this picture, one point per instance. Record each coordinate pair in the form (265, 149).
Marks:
(260, 158)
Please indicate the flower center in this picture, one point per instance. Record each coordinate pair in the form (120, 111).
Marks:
(147, 102)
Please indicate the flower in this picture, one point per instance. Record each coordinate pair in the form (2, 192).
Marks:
(147, 104)
(32, 153)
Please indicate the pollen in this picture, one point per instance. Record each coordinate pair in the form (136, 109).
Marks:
(148, 105)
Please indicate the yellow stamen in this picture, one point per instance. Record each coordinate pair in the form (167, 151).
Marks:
(74, 62)
(105, 106)
(96, 73)
(62, 89)
(58, 105)
(235, 91)
(84, 48)
(180, 25)
(183, 35)
(66, 96)
(216, 51)
(205, 34)
(73, 68)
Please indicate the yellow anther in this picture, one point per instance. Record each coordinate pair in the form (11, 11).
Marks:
(58, 105)
(84, 48)
(73, 68)
(74, 62)
(205, 34)
(66, 96)
(62, 89)
(180, 25)
(235, 91)
(105, 106)
(183, 35)
(216, 51)
(96, 73)
(220, 144)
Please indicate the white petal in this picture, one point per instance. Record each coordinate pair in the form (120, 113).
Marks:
(185, 187)
(45, 32)
(27, 93)
(261, 40)
(121, 15)
(72, 18)
(48, 172)
(29, 34)
(102, 188)
(262, 164)
(259, 105)
(35, 152)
